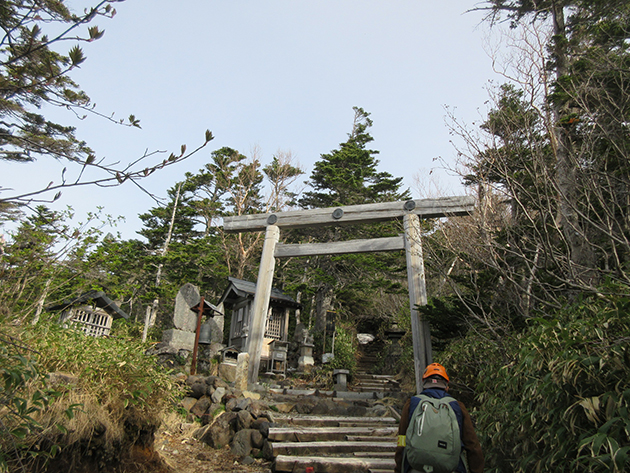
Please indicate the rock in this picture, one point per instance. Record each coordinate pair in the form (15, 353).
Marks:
(286, 407)
(267, 415)
(251, 395)
(241, 445)
(257, 439)
(194, 379)
(188, 402)
(214, 410)
(201, 406)
(256, 408)
(378, 410)
(198, 390)
(267, 450)
(262, 425)
(242, 404)
(227, 371)
(219, 383)
(218, 394)
(243, 420)
(59, 377)
(248, 460)
(365, 338)
(305, 406)
(220, 432)
(210, 380)
(199, 433)
(231, 403)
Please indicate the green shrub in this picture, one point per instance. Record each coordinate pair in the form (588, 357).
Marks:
(121, 393)
(554, 397)
(23, 395)
(345, 350)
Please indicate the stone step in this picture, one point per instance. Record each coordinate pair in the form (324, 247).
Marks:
(298, 464)
(309, 434)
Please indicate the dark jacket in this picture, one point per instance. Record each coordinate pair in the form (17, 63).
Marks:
(470, 442)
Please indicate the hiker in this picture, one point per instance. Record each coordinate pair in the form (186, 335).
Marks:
(425, 447)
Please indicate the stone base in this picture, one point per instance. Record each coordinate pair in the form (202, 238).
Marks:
(341, 379)
(227, 371)
(179, 339)
(306, 363)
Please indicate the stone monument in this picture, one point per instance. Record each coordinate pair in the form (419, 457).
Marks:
(182, 336)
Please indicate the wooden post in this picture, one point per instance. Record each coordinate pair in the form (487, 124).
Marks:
(261, 301)
(193, 364)
(420, 330)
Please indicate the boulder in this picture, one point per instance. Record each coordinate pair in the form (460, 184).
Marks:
(201, 406)
(243, 420)
(241, 445)
(220, 432)
(267, 450)
(214, 410)
(198, 390)
(257, 439)
(262, 425)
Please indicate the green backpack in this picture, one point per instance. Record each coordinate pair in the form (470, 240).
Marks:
(433, 442)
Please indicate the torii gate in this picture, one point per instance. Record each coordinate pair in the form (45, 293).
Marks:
(410, 211)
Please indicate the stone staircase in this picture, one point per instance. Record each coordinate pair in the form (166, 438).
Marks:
(353, 432)
(338, 431)
(365, 380)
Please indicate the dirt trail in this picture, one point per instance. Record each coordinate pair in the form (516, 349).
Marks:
(184, 454)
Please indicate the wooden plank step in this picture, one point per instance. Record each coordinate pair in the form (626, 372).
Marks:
(308, 434)
(375, 384)
(367, 424)
(332, 465)
(373, 454)
(331, 447)
(339, 421)
(388, 377)
(368, 438)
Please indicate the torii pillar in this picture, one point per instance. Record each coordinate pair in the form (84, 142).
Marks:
(410, 211)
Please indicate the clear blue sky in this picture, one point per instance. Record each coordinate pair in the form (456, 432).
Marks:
(278, 74)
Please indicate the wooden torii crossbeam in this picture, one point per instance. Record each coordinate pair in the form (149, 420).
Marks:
(410, 211)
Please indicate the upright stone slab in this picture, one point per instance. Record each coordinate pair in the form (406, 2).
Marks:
(242, 369)
(179, 339)
(219, 319)
(184, 318)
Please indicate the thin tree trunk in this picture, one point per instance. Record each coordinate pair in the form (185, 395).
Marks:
(580, 257)
(40, 302)
(149, 320)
